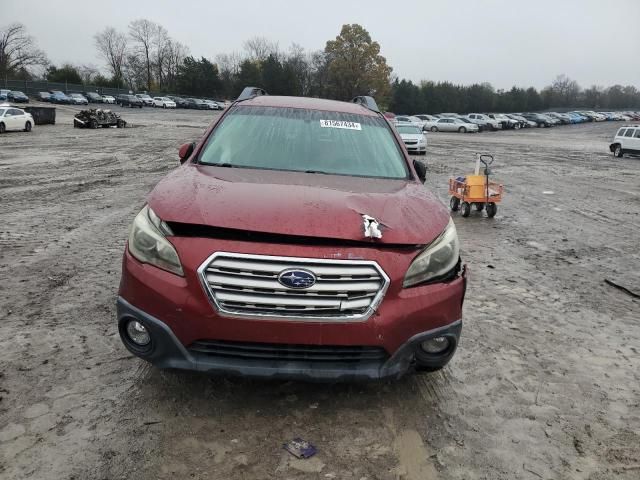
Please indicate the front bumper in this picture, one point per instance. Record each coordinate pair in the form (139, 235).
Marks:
(168, 352)
(183, 315)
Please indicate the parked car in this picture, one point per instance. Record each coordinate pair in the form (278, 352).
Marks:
(145, 99)
(42, 96)
(485, 121)
(15, 119)
(563, 118)
(221, 104)
(94, 97)
(418, 122)
(506, 122)
(196, 104)
(180, 102)
(59, 97)
(523, 121)
(126, 100)
(212, 105)
(3, 93)
(626, 140)
(17, 97)
(78, 99)
(249, 288)
(453, 125)
(540, 120)
(163, 102)
(415, 141)
(108, 99)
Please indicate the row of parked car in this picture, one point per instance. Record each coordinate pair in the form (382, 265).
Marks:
(125, 100)
(478, 122)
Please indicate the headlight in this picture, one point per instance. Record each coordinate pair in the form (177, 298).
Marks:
(147, 242)
(440, 257)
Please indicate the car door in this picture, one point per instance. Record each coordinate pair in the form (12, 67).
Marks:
(15, 120)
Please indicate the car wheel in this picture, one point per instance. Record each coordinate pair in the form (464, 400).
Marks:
(2, 128)
(93, 123)
(120, 123)
(517, 126)
(139, 106)
(492, 209)
(618, 152)
(462, 130)
(434, 129)
(454, 204)
(465, 209)
(164, 106)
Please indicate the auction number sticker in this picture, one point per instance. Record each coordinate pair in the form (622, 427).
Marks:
(340, 124)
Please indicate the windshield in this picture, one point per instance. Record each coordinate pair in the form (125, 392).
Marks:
(408, 129)
(17, 93)
(304, 140)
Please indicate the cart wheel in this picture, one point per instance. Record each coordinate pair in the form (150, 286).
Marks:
(479, 206)
(492, 209)
(454, 203)
(465, 209)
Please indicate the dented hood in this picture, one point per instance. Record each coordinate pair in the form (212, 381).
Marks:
(300, 204)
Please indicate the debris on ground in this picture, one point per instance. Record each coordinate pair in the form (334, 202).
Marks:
(620, 287)
(300, 448)
(97, 117)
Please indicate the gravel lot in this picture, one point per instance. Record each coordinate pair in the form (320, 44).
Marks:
(545, 385)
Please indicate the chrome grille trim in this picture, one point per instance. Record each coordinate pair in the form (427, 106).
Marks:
(246, 286)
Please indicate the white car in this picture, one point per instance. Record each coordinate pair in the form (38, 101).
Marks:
(484, 120)
(409, 119)
(108, 99)
(163, 102)
(15, 119)
(453, 125)
(212, 105)
(413, 137)
(627, 140)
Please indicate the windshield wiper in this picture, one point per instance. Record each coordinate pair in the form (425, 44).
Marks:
(228, 165)
(317, 171)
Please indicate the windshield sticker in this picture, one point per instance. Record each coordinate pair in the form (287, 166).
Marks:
(340, 124)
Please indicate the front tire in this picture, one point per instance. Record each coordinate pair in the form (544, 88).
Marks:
(434, 129)
(27, 127)
(465, 209)
(454, 204)
(618, 152)
(93, 123)
(2, 128)
(462, 130)
(492, 209)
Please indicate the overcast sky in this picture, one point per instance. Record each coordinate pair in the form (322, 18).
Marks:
(524, 43)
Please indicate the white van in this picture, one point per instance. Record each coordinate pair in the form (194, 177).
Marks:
(627, 140)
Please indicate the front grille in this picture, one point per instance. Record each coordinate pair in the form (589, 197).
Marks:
(410, 142)
(291, 353)
(247, 286)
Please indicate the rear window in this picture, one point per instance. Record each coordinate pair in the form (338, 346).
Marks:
(629, 132)
(304, 140)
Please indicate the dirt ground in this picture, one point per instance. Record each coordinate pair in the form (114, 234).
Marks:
(545, 384)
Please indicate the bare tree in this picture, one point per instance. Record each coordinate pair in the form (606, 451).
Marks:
(143, 34)
(176, 53)
(259, 48)
(18, 50)
(564, 91)
(87, 73)
(112, 46)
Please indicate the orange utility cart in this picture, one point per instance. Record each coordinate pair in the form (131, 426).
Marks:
(476, 190)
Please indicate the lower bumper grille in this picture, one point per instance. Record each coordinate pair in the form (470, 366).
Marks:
(292, 353)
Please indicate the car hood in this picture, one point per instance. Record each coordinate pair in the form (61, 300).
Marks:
(299, 204)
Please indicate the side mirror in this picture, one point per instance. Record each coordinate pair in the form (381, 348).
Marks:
(185, 151)
(421, 170)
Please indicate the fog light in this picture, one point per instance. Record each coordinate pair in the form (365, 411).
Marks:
(435, 345)
(138, 333)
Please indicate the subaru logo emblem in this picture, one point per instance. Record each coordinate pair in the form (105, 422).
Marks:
(295, 278)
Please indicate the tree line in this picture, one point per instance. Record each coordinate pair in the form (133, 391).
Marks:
(146, 58)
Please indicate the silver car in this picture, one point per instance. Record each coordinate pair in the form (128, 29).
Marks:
(414, 139)
(453, 125)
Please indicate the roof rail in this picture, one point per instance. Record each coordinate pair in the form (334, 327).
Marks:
(250, 92)
(367, 102)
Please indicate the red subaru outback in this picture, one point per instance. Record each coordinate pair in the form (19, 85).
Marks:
(296, 240)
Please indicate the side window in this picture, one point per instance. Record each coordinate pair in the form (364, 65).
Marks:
(13, 111)
(621, 132)
(629, 132)
(637, 135)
